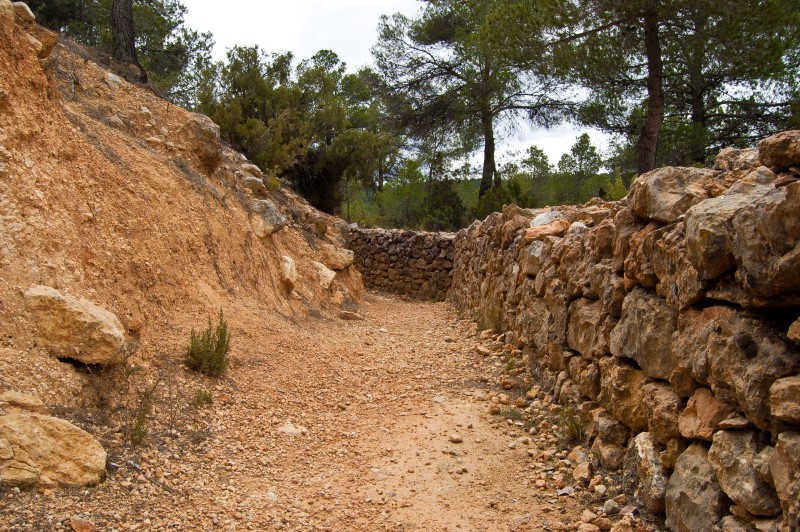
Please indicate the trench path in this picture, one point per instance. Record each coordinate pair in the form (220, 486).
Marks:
(330, 424)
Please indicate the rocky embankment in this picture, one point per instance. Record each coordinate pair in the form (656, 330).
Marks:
(410, 263)
(670, 321)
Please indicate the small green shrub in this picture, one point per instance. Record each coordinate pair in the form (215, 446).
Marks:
(513, 414)
(138, 430)
(208, 352)
(202, 397)
(573, 426)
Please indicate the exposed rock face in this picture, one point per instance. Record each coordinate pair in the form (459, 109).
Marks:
(732, 456)
(645, 478)
(411, 263)
(75, 328)
(670, 309)
(336, 258)
(267, 219)
(694, 500)
(20, 402)
(325, 275)
(39, 449)
(202, 137)
(667, 193)
(784, 467)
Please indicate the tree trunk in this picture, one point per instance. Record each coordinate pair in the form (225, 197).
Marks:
(489, 167)
(123, 36)
(648, 139)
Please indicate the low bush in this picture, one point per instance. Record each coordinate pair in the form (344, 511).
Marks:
(208, 352)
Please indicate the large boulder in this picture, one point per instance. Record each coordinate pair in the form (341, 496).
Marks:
(202, 138)
(766, 246)
(733, 159)
(620, 392)
(709, 224)
(784, 466)
(75, 328)
(781, 150)
(644, 477)
(38, 449)
(694, 501)
(667, 193)
(267, 219)
(336, 258)
(644, 333)
(732, 455)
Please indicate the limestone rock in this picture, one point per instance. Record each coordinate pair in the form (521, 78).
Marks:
(605, 426)
(644, 333)
(732, 456)
(23, 12)
(586, 328)
(781, 149)
(644, 478)
(112, 80)
(556, 227)
(324, 274)
(709, 225)
(21, 402)
(202, 137)
(667, 193)
(766, 247)
(288, 272)
(784, 466)
(612, 455)
(663, 407)
(702, 415)
(39, 449)
(6, 14)
(620, 392)
(784, 399)
(336, 258)
(252, 169)
(731, 159)
(794, 332)
(47, 38)
(694, 501)
(254, 184)
(75, 328)
(267, 219)
(678, 280)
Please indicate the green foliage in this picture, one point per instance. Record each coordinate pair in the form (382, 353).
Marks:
(202, 397)
(571, 425)
(139, 427)
(173, 55)
(208, 352)
(513, 414)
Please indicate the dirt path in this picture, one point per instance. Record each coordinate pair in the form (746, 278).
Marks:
(329, 424)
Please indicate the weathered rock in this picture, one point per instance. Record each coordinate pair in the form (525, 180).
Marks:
(75, 328)
(732, 456)
(766, 247)
(587, 330)
(39, 449)
(644, 478)
(669, 456)
(47, 38)
(694, 501)
(702, 415)
(794, 331)
(288, 272)
(202, 137)
(644, 333)
(112, 80)
(784, 467)
(730, 159)
(620, 392)
(325, 275)
(23, 12)
(13, 401)
(254, 184)
(784, 400)
(667, 193)
(6, 14)
(336, 258)
(267, 219)
(678, 281)
(552, 223)
(252, 169)
(781, 150)
(663, 407)
(612, 455)
(709, 225)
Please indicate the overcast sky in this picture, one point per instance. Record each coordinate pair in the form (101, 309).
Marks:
(349, 28)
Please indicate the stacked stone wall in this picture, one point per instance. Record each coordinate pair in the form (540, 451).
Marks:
(410, 263)
(670, 320)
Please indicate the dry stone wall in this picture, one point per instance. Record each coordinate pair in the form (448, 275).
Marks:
(410, 263)
(670, 320)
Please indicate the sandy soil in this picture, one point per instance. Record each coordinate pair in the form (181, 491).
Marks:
(323, 424)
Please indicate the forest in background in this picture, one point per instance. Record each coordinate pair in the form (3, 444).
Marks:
(411, 140)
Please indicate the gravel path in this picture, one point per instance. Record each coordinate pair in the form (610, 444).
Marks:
(381, 423)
